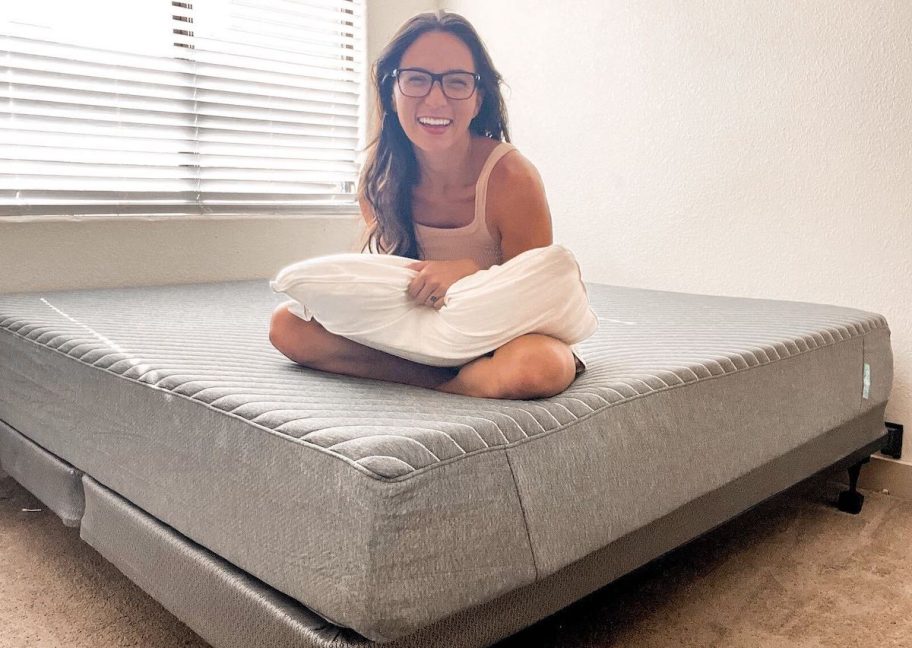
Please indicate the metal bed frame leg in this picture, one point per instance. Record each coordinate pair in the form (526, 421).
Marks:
(890, 444)
(851, 501)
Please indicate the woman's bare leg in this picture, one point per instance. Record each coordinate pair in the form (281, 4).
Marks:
(311, 345)
(530, 366)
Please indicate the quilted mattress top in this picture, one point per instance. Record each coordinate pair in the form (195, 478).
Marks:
(208, 342)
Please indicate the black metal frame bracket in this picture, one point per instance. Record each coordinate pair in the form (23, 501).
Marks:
(893, 447)
(890, 444)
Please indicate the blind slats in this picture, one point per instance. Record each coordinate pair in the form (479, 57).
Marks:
(88, 185)
(315, 10)
(188, 159)
(245, 61)
(35, 76)
(70, 57)
(333, 204)
(75, 170)
(46, 130)
(255, 107)
(26, 92)
(77, 121)
(13, 139)
(204, 116)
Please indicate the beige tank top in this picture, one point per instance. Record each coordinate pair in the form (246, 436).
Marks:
(472, 241)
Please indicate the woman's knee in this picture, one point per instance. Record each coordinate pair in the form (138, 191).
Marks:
(539, 367)
(295, 338)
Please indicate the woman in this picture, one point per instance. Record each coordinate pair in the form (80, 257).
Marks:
(439, 185)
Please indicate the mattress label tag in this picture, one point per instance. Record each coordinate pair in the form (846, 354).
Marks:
(867, 381)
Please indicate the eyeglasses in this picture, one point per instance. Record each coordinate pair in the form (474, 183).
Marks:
(418, 83)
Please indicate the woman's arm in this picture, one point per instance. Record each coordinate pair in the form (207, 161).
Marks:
(517, 206)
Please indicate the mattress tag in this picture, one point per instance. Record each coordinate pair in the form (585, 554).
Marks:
(867, 381)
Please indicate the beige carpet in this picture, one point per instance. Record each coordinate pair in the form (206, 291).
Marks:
(792, 572)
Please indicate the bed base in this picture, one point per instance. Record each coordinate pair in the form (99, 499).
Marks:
(53, 481)
(851, 501)
(894, 446)
(890, 444)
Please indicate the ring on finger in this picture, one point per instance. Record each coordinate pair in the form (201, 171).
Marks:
(433, 298)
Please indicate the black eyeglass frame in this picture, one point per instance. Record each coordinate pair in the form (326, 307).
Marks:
(434, 79)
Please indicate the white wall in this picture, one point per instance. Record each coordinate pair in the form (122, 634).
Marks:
(95, 254)
(758, 149)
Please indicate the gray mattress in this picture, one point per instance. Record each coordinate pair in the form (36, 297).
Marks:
(385, 508)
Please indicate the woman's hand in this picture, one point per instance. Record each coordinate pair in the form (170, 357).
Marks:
(435, 277)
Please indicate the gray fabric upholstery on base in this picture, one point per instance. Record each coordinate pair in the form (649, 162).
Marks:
(222, 604)
(54, 482)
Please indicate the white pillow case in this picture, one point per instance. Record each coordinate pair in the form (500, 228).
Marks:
(364, 298)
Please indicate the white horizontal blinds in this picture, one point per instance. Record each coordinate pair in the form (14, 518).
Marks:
(94, 118)
(214, 106)
(277, 86)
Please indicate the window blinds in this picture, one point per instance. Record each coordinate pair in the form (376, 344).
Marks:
(196, 107)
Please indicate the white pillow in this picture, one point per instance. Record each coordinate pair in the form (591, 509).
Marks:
(364, 297)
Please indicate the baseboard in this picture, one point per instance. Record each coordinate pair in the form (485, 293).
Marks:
(882, 473)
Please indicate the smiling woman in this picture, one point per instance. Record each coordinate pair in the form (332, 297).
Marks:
(443, 185)
(449, 110)
(408, 164)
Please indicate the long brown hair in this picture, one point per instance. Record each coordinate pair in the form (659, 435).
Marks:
(390, 170)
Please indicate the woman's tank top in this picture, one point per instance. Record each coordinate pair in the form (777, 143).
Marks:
(472, 241)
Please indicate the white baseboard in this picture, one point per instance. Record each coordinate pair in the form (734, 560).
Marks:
(882, 473)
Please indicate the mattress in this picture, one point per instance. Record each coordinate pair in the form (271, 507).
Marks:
(385, 508)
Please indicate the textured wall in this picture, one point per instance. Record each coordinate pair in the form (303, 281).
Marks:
(96, 254)
(759, 149)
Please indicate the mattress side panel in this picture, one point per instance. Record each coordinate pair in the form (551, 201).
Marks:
(628, 465)
(447, 540)
(878, 355)
(382, 557)
(259, 500)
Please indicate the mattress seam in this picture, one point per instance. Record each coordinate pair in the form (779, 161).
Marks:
(522, 510)
(878, 325)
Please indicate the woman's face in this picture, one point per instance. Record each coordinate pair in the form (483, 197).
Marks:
(436, 52)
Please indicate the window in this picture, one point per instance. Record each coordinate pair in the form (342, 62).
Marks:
(193, 107)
